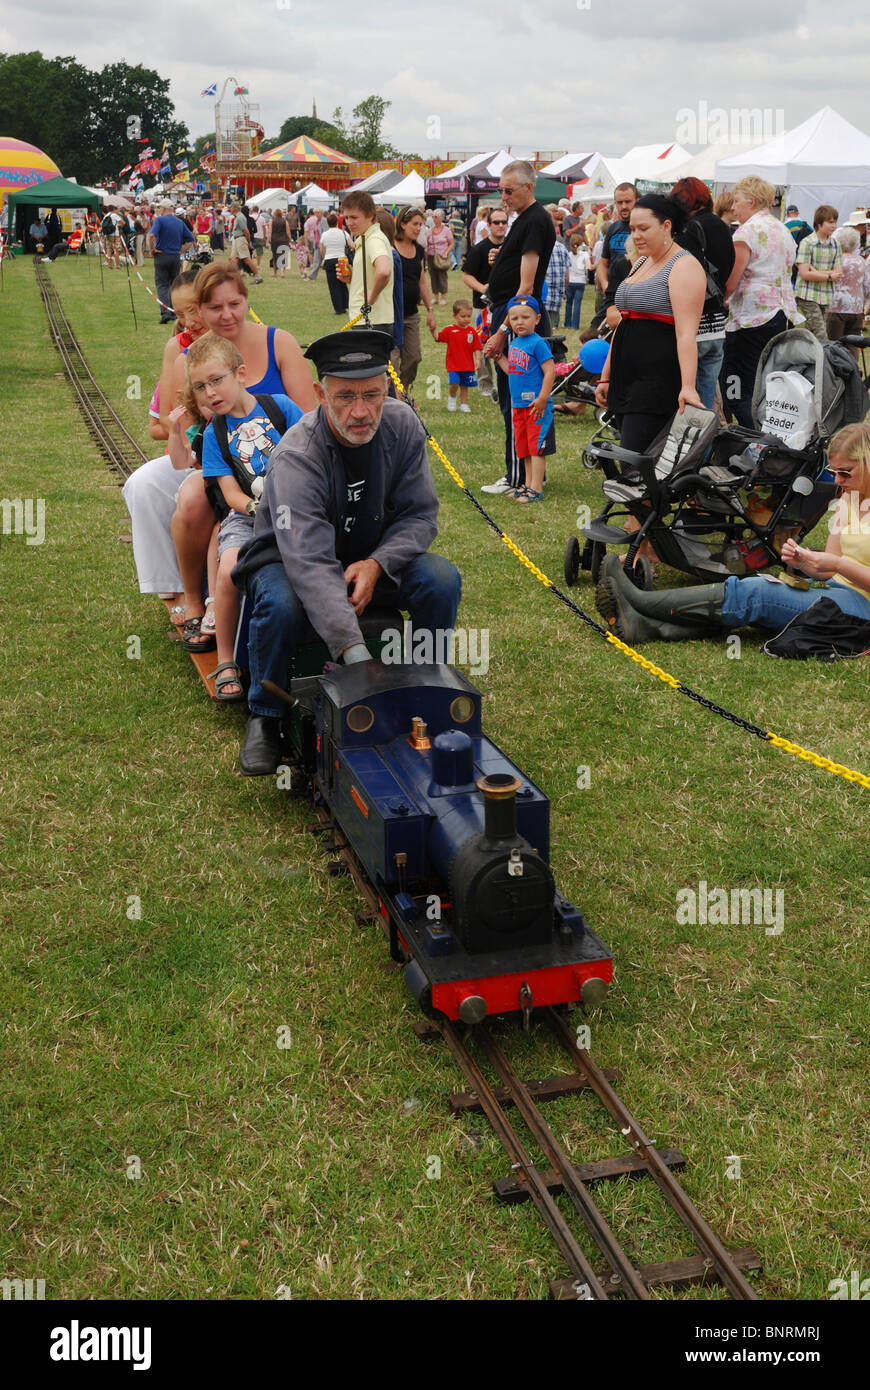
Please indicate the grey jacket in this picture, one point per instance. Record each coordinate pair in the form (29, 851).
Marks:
(304, 504)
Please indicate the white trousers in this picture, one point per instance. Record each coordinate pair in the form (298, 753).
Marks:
(150, 494)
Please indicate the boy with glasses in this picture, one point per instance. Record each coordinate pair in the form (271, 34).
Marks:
(236, 448)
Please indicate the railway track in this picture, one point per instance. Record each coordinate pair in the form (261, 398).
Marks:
(560, 1175)
(117, 445)
(529, 1181)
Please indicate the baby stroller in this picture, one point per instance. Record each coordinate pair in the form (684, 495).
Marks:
(716, 501)
(200, 253)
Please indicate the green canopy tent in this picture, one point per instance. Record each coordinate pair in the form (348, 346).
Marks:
(54, 193)
(548, 190)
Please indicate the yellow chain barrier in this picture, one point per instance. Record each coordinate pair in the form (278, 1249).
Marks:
(785, 745)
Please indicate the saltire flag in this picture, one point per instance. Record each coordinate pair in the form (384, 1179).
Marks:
(180, 164)
(209, 91)
(241, 92)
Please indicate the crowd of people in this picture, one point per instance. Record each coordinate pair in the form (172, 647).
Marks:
(686, 291)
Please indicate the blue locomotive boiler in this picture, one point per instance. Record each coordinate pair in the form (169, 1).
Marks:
(454, 838)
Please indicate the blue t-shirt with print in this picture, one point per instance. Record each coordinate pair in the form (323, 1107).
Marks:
(251, 439)
(525, 377)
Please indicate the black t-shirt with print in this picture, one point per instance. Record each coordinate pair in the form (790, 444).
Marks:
(533, 230)
(356, 466)
(476, 263)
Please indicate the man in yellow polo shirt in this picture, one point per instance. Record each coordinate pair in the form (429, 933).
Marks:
(372, 272)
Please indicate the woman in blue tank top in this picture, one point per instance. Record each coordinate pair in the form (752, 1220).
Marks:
(274, 364)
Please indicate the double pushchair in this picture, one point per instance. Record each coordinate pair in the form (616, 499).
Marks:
(715, 501)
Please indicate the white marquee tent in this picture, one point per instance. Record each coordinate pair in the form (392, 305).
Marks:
(410, 190)
(702, 165)
(650, 163)
(379, 181)
(824, 160)
(270, 199)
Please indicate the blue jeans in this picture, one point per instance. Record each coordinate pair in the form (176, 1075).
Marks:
(429, 588)
(573, 301)
(759, 602)
(710, 354)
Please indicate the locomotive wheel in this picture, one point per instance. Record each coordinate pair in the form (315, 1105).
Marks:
(593, 555)
(641, 573)
(572, 560)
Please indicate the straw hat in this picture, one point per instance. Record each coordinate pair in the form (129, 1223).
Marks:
(858, 218)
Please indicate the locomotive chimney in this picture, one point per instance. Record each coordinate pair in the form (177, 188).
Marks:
(500, 805)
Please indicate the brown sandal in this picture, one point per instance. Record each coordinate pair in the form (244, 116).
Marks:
(190, 630)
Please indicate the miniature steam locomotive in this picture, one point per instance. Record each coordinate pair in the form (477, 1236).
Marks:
(453, 837)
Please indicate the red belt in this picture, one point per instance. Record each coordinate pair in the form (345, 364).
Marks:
(636, 314)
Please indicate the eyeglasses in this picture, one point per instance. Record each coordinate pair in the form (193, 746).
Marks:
(349, 398)
(213, 382)
(841, 472)
(498, 221)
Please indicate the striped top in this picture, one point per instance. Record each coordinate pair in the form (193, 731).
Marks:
(648, 296)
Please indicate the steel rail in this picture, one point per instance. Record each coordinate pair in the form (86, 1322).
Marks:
(122, 451)
(675, 1195)
(516, 1150)
(625, 1274)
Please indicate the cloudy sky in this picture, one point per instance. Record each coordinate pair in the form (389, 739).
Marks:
(470, 75)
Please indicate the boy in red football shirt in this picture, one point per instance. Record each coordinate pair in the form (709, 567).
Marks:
(463, 354)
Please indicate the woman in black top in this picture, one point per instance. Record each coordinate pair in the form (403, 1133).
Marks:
(407, 359)
(710, 241)
(653, 353)
(279, 243)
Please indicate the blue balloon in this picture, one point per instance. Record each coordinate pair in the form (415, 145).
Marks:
(593, 356)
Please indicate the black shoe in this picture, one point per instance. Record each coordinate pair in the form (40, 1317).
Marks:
(165, 320)
(261, 751)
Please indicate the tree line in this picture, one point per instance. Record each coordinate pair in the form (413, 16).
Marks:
(84, 120)
(90, 123)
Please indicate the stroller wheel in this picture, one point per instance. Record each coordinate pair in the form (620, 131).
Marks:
(641, 573)
(593, 554)
(572, 560)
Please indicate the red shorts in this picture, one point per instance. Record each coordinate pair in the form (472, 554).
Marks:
(533, 437)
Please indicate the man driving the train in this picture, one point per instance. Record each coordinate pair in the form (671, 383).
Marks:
(347, 514)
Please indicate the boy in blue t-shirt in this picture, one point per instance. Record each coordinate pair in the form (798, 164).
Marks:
(216, 379)
(531, 375)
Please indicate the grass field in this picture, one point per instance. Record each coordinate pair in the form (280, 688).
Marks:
(157, 1142)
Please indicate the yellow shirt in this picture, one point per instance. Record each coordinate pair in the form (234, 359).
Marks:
(851, 521)
(376, 244)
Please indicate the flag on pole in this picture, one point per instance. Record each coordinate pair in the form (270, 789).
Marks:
(241, 92)
(147, 154)
(209, 91)
(126, 169)
(180, 164)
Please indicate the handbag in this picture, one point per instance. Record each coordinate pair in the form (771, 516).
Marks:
(714, 299)
(441, 262)
(824, 631)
